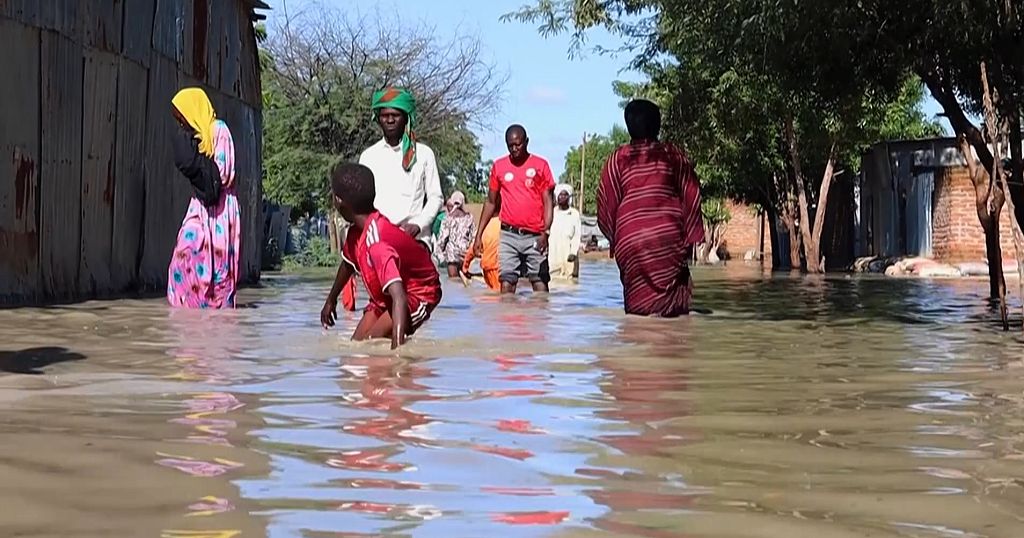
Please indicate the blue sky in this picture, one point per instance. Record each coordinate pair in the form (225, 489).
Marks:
(555, 97)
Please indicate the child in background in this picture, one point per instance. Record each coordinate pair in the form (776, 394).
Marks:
(398, 272)
(489, 257)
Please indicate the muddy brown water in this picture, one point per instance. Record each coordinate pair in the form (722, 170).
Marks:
(822, 407)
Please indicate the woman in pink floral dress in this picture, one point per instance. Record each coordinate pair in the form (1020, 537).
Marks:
(204, 266)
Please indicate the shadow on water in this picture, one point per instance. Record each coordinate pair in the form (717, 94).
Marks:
(32, 361)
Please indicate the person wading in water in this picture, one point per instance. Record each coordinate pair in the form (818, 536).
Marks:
(405, 171)
(524, 184)
(648, 206)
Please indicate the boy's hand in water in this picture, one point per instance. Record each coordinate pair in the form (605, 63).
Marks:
(328, 314)
(398, 336)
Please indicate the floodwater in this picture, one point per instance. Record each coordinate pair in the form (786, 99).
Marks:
(822, 407)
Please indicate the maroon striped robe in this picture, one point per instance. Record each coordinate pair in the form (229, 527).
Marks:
(648, 206)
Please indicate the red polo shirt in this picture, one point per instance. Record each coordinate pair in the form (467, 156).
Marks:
(522, 190)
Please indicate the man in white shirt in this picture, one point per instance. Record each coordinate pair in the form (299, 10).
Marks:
(404, 171)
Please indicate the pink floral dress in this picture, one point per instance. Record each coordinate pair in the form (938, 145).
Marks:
(204, 266)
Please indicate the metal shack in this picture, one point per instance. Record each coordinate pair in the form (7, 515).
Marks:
(916, 198)
(90, 200)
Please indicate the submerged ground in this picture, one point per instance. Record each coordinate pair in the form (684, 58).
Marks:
(802, 406)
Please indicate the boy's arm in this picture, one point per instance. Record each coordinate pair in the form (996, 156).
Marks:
(399, 313)
(329, 313)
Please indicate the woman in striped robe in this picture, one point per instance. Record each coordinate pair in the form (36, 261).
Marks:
(648, 206)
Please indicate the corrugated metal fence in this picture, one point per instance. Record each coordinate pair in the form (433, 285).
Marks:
(90, 200)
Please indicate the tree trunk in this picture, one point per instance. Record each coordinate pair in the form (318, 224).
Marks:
(998, 133)
(988, 200)
(773, 238)
(332, 231)
(810, 230)
(789, 221)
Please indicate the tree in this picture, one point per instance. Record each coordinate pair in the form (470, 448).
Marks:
(716, 217)
(320, 69)
(766, 102)
(598, 149)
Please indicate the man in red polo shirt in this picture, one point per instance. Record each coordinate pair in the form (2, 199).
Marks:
(524, 184)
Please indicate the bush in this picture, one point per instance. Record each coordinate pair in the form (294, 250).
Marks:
(316, 253)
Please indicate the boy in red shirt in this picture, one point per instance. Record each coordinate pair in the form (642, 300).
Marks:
(524, 184)
(398, 272)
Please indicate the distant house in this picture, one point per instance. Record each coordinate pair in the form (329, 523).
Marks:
(747, 236)
(916, 198)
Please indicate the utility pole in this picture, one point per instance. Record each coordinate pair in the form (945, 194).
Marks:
(583, 170)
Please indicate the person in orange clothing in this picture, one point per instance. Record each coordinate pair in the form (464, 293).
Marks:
(488, 258)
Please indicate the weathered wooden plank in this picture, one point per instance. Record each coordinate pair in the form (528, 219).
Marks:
(23, 11)
(247, 186)
(200, 39)
(19, 161)
(101, 23)
(168, 25)
(231, 47)
(62, 16)
(249, 70)
(130, 174)
(185, 39)
(99, 132)
(60, 178)
(162, 216)
(137, 30)
(215, 42)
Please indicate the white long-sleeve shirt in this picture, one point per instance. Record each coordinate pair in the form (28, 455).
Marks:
(413, 195)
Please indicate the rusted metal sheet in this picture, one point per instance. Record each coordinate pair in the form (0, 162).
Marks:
(137, 33)
(101, 23)
(168, 25)
(19, 161)
(60, 177)
(161, 216)
(99, 134)
(24, 11)
(130, 173)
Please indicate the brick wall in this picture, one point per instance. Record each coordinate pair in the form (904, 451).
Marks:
(743, 233)
(956, 233)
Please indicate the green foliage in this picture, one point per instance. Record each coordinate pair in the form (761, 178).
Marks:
(316, 253)
(715, 211)
(320, 70)
(598, 149)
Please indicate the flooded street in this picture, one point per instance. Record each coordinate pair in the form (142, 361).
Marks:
(830, 408)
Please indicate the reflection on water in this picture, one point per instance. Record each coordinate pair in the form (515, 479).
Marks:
(827, 407)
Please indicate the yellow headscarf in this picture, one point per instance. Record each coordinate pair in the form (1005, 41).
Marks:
(195, 106)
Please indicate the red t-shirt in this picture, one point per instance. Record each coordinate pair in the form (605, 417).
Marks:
(384, 254)
(522, 190)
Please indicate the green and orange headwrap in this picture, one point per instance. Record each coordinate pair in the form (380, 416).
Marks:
(400, 99)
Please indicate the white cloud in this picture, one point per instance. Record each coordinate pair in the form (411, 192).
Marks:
(545, 95)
